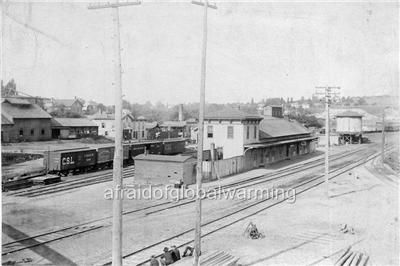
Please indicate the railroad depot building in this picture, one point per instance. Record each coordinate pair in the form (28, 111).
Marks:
(73, 128)
(244, 141)
(24, 121)
(230, 130)
(280, 139)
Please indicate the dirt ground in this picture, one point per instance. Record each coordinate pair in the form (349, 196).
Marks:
(303, 233)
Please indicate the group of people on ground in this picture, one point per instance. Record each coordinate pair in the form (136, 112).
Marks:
(170, 256)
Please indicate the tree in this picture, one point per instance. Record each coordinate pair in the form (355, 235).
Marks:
(10, 89)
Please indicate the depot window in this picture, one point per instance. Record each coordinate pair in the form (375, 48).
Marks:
(32, 132)
(230, 132)
(248, 132)
(255, 132)
(210, 131)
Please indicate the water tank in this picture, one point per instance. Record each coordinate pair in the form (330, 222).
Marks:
(349, 122)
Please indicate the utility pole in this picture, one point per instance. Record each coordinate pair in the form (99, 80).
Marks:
(383, 135)
(199, 173)
(118, 154)
(329, 93)
(3, 35)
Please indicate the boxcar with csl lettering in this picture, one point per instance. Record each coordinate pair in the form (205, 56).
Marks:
(72, 160)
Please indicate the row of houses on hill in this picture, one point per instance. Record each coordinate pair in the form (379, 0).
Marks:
(24, 120)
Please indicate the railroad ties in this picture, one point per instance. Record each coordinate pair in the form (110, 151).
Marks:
(41, 239)
(71, 184)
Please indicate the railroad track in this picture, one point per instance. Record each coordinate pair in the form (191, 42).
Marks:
(62, 233)
(140, 256)
(71, 184)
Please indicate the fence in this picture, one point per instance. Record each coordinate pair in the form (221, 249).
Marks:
(227, 167)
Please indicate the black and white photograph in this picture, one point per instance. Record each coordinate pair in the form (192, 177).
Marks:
(200, 132)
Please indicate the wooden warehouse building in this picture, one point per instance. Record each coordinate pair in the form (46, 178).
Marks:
(24, 121)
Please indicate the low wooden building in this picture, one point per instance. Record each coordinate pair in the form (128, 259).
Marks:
(165, 168)
(24, 121)
(73, 128)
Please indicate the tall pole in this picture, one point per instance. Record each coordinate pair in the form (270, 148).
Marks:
(3, 19)
(327, 144)
(199, 168)
(117, 169)
(383, 137)
(118, 154)
(329, 93)
(199, 174)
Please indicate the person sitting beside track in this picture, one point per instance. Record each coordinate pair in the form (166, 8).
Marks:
(188, 249)
(176, 255)
(154, 261)
(167, 256)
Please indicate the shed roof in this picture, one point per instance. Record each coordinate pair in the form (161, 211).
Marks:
(72, 122)
(277, 127)
(164, 158)
(27, 111)
(349, 114)
(231, 114)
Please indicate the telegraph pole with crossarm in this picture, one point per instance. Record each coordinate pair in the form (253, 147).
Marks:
(117, 170)
(199, 168)
(329, 94)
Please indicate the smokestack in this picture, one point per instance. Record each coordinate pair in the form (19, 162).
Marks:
(180, 114)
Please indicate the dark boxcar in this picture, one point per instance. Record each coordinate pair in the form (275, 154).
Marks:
(105, 156)
(63, 161)
(127, 154)
(171, 147)
(137, 148)
(155, 148)
(78, 159)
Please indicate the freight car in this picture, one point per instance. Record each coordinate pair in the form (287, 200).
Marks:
(63, 162)
(172, 147)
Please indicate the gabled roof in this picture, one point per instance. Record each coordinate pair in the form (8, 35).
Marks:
(72, 122)
(5, 121)
(173, 124)
(164, 158)
(231, 114)
(128, 116)
(66, 102)
(26, 111)
(272, 127)
(349, 114)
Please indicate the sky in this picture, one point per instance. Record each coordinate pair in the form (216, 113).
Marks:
(254, 50)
